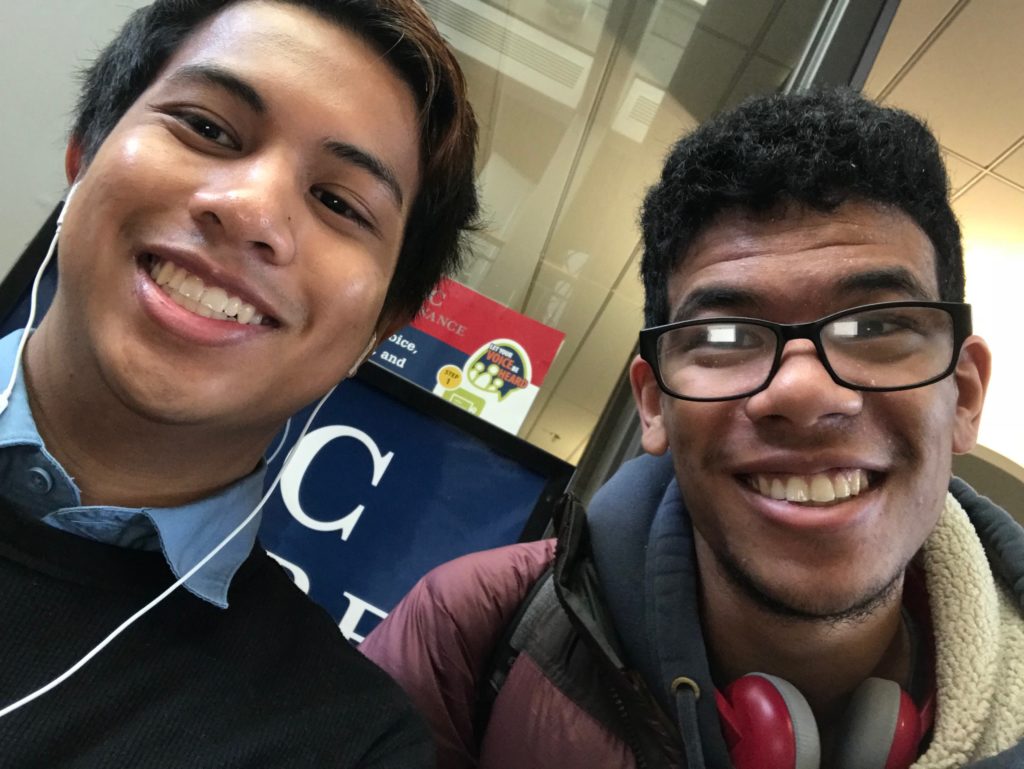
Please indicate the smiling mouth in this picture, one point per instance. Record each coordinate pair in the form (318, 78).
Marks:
(817, 489)
(206, 300)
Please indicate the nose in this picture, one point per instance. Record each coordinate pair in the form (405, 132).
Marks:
(247, 206)
(802, 392)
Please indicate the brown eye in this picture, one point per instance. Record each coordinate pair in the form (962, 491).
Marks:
(207, 129)
(341, 207)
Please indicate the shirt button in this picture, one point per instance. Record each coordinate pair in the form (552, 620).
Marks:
(40, 481)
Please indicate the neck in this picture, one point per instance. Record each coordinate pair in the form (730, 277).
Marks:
(117, 455)
(824, 659)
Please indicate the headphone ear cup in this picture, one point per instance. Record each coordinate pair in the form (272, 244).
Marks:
(881, 728)
(773, 724)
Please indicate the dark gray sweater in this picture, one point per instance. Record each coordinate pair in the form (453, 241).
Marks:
(269, 682)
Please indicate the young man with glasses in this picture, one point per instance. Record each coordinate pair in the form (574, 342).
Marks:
(792, 579)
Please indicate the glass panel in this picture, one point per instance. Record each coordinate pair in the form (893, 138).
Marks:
(578, 101)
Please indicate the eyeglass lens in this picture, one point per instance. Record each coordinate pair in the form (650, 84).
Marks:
(880, 347)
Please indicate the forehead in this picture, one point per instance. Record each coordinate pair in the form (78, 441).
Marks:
(797, 256)
(310, 71)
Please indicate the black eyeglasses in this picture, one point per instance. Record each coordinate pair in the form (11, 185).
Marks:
(875, 347)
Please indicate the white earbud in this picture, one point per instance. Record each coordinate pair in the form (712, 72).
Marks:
(67, 201)
(5, 396)
(364, 354)
(202, 562)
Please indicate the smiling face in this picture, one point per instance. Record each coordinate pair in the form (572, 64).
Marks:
(878, 462)
(228, 250)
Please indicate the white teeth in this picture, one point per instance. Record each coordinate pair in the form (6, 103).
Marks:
(796, 489)
(164, 274)
(214, 298)
(192, 287)
(822, 489)
(819, 488)
(841, 486)
(177, 278)
(191, 293)
(855, 482)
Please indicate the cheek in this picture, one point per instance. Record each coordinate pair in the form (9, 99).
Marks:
(699, 432)
(348, 295)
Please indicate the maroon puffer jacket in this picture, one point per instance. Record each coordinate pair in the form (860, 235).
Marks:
(439, 641)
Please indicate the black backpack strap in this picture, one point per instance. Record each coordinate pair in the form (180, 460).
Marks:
(504, 656)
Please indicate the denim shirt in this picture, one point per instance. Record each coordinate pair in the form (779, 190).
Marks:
(33, 484)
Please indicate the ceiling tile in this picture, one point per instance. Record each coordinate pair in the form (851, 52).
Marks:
(790, 30)
(990, 214)
(960, 171)
(710, 62)
(914, 21)
(1013, 167)
(965, 86)
(759, 76)
(738, 20)
(561, 427)
(674, 21)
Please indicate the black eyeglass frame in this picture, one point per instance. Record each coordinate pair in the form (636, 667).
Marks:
(960, 312)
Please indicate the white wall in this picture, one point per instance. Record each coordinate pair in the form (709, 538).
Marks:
(43, 44)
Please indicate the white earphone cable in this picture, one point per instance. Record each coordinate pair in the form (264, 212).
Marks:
(184, 578)
(280, 443)
(5, 396)
(4, 400)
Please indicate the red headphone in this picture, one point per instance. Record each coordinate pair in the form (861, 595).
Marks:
(768, 724)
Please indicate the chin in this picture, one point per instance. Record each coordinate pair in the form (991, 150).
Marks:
(805, 600)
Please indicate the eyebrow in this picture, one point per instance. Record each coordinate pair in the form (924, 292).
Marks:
(896, 279)
(714, 297)
(731, 299)
(350, 153)
(211, 74)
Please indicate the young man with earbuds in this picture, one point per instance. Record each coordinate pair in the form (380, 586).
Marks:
(791, 579)
(262, 189)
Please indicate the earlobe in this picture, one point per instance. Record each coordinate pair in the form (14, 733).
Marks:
(972, 373)
(73, 159)
(647, 395)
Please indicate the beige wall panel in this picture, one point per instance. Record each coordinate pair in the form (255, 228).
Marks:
(960, 172)
(914, 21)
(1013, 167)
(991, 213)
(599, 363)
(785, 39)
(966, 85)
(42, 46)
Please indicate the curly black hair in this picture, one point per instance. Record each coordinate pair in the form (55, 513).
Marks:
(816, 149)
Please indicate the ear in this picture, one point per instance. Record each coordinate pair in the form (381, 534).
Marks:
(73, 159)
(972, 373)
(648, 399)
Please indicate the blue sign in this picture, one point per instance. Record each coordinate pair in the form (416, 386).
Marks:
(379, 492)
